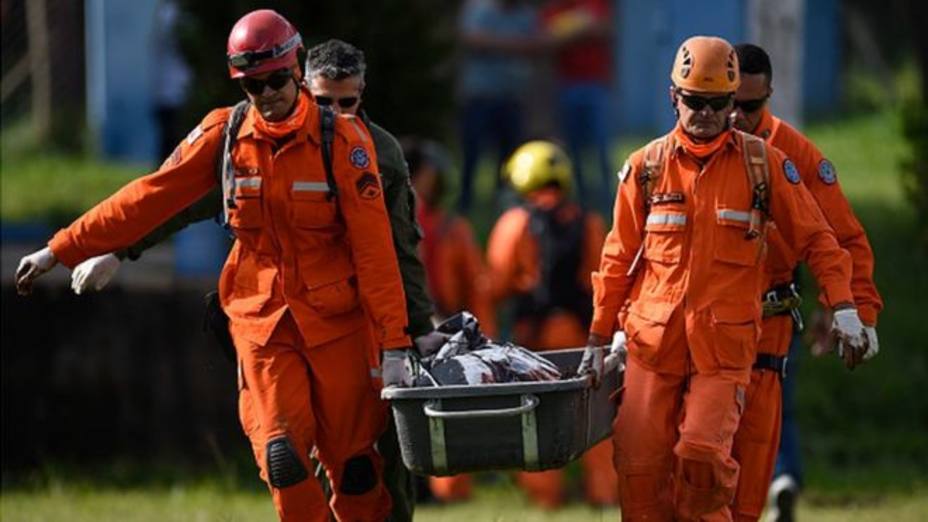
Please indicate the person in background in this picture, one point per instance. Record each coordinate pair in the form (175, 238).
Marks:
(172, 81)
(582, 34)
(772, 387)
(541, 255)
(457, 277)
(497, 38)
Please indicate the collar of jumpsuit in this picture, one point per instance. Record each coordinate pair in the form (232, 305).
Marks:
(294, 122)
(766, 127)
(700, 149)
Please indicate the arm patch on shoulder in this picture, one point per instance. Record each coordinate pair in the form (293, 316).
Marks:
(359, 158)
(791, 172)
(826, 172)
(367, 185)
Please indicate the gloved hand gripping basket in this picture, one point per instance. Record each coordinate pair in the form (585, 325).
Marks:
(529, 425)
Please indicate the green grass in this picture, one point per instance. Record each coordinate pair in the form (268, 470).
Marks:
(205, 503)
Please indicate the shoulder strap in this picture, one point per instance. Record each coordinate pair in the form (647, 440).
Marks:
(653, 168)
(327, 122)
(758, 172)
(226, 170)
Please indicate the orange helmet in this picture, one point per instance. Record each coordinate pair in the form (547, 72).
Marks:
(706, 64)
(260, 42)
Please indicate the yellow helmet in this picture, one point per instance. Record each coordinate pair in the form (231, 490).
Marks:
(537, 164)
(706, 64)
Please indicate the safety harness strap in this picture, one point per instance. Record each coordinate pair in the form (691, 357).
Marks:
(653, 168)
(327, 119)
(226, 169)
(755, 164)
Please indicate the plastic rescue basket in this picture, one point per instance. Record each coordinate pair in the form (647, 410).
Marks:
(445, 430)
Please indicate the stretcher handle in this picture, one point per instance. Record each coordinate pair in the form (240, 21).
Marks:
(529, 403)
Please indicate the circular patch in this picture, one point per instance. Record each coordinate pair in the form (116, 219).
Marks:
(792, 173)
(359, 158)
(826, 172)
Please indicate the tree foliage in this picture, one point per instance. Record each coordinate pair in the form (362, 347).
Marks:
(408, 45)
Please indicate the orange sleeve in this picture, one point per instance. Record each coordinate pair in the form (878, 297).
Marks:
(821, 178)
(612, 282)
(360, 199)
(502, 258)
(474, 277)
(799, 219)
(136, 209)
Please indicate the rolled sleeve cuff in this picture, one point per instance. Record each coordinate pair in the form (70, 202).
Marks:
(396, 343)
(868, 314)
(603, 323)
(835, 294)
(66, 252)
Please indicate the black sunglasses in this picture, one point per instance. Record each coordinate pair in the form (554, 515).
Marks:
(748, 106)
(276, 81)
(344, 103)
(698, 103)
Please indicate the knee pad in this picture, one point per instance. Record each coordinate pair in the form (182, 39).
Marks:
(705, 480)
(359, 476)
(284, 467)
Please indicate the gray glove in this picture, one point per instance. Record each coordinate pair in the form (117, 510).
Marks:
(853, 342)
(593, 357)
(395, 368)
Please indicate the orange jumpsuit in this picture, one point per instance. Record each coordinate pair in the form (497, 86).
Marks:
(457, 281)
(758, 436)
(296, 285)
(693, 317)
(513, 258)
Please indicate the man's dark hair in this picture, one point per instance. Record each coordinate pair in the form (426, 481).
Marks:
(335, 60)
(754, 60)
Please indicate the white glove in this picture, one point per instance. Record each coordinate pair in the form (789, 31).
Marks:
(395, 368)
(31, 267)
(874, 343)
(619, 340)
(850, 335)
(95, 273)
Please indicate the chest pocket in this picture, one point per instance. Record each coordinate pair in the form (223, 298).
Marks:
(731, 242)
(310, 205)
(663, 240)
(248, 213)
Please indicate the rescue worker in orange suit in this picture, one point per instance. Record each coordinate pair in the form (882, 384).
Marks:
(312, 266)
(457, 277)
(541, 255)
(758, 436)
(679, 278)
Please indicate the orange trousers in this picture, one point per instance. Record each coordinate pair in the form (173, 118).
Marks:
(293, 397)
(758, 437)
(673, 437)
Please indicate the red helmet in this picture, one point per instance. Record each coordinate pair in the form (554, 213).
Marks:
(260, 42)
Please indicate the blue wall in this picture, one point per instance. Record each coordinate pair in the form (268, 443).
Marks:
(649, 32)
(118, 41)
